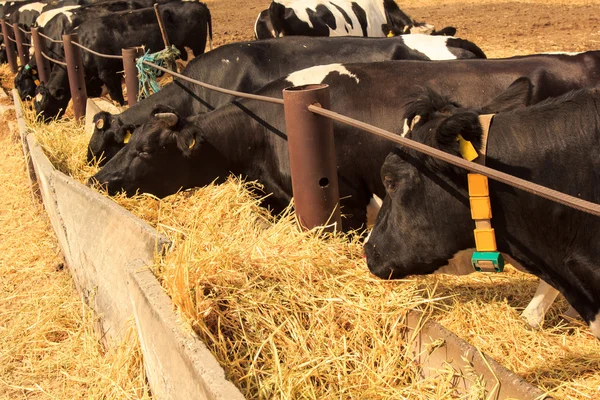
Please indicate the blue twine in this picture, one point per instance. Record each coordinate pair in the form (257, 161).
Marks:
(147, 75)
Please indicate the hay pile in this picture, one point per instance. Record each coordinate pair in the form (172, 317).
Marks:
(289, 314)
(48, 346)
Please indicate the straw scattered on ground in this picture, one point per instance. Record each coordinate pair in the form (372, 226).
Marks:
(48, 348)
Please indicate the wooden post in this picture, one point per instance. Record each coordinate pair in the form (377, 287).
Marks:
(22, 50)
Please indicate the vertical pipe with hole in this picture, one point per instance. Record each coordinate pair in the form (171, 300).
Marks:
(22, 50)
(131, 74)
(10, 50)
(39, 47)
(312, 157)
(76, 77)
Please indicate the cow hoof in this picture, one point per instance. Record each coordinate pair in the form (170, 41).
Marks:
(534, 319)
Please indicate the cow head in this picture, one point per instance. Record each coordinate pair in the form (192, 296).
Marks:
(110, 135)
(49, 103)
(164, 155)
(27, 81)
(417, 28)
(51, 100)
(425, 217)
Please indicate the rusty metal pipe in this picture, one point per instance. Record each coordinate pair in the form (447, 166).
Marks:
(312, 157)
(22, 51)
(10, 51)
(76, 77)
(131, 74)
(43, 65)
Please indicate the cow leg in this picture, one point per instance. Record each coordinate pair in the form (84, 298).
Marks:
(539, 305)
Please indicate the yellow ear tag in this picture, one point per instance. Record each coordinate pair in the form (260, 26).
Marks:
(127, 137)
(37, 82)
(192, 144)
(390, 34)
(467, 150)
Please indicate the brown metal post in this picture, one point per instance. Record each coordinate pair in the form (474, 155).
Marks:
(161, 25)
(39, 46)
(131, 74)
(10, 50)
(76, 77)
(312, 157)
(21, 49)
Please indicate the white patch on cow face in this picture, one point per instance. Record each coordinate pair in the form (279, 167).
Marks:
(434, 47)
(46, 16)
(316, 75)
(373, 210)
(405, 128)
(39, 97)
(225, 61)
(425, 29)
(595, 326)
(539, 305)
(32, 7)
(459, 264)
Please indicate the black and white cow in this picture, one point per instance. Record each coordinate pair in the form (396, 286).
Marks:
(373, 18)
(185, 23)
(247, 66)
(247, 137)
(425, 217)
(60, 20)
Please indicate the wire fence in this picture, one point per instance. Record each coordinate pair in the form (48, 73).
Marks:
(545, 192)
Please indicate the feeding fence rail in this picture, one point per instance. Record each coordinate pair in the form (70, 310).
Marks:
(309, 125)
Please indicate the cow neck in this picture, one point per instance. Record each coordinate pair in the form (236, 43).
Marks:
(486, 258)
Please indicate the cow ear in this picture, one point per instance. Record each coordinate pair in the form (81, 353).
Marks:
(123, 135)
(447, 31)
(517, 95)
(389, 30)
(465, 124)
(187, 140)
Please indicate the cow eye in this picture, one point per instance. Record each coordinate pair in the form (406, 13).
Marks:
(390, 184)
(146, 151)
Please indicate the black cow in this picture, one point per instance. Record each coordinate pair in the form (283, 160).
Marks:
(62, 19)
(248, 66)
(186, 25)
(425, 217)
(373, 18)
(248, 136)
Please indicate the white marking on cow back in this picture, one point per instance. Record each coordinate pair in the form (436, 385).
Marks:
(46, 16)
(434, 47)
(32, 7)
(317, 74)
(374, 10)
(539, 305)
(595, 326)
(564, 53)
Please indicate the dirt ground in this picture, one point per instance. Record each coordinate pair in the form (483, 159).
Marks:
(500, 28)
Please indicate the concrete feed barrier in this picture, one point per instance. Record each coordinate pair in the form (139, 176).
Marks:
(108, 251)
